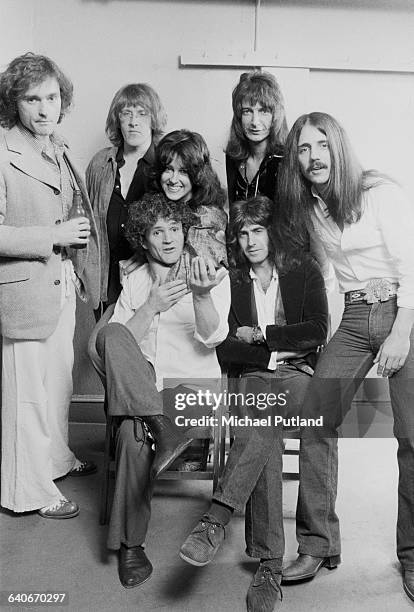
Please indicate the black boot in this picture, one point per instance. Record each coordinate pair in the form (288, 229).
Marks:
(169, 444)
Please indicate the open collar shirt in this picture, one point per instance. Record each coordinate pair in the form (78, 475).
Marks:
(266, 307)
(379, 245)
(172, 343)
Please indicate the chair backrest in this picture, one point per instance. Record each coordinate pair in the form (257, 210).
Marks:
(92, 352)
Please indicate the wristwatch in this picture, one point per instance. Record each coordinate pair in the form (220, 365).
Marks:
(257, 335)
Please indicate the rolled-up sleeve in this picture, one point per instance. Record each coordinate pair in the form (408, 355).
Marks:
(135, 290)
(220, 296)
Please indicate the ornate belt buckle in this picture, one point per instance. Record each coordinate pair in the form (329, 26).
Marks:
(377, 290)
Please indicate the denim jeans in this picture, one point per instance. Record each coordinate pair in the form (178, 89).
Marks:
(252, 476)
(338, 374)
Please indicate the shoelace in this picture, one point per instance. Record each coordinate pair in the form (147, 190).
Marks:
(268, 574)
(206, 524)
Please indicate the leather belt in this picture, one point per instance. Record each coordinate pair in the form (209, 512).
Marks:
(377, 290)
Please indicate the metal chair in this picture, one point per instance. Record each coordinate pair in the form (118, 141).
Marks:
(210, 470)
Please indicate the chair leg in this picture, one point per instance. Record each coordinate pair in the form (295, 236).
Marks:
(204, 454)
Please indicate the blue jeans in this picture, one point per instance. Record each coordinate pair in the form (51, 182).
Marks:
(252, 477)
(338, 374)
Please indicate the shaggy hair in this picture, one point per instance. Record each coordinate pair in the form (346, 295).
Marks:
(192, 151)
(135, 94)
(257, 88)
(259, 211)
(21, 74)
(144, 214)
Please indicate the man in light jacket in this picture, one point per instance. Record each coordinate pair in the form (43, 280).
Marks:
(45, 258)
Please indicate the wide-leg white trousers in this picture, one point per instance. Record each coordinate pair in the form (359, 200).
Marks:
(36, 394)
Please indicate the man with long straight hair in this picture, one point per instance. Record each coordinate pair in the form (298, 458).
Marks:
(257, 135)
(365, 224)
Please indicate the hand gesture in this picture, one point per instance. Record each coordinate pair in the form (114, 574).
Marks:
(74, 231)
(203, 275)
(162, 297)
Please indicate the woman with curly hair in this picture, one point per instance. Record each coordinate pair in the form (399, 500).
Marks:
(183, 171)
(120, 174)
(257, 136)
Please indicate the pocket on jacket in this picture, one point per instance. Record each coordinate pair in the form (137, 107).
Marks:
(12, 271)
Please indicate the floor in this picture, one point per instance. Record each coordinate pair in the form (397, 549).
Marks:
(43, 555)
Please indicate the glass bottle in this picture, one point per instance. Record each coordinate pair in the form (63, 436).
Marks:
(77, 210)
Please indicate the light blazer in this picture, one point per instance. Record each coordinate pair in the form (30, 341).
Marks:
(30, 270)
(303, 294)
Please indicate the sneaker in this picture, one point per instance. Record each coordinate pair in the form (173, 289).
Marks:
(83, 468)
(264, 594)
(203, 542)
(62, 509)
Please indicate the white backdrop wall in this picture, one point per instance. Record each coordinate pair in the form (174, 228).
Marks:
(103, 44)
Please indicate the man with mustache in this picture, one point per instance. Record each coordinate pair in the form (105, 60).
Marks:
(365, 224)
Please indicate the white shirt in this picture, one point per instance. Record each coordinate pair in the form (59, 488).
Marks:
(265, 307)
(379, 245)
(173, 344)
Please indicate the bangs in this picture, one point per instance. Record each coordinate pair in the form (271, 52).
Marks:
(134, 101)
(32, 80)
(262, 98)
(251, 220)
(256, 211)
(185, 153)
(261, 95)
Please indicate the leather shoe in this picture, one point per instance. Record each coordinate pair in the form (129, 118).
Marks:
(408, 583)
(169, 444)
(85, 468)
(63, 509)
(134, 566)
(305, 567)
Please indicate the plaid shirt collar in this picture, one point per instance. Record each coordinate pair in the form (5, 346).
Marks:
(56, 141)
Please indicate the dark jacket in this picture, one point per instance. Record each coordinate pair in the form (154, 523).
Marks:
(266, 184)
(100, 181)
(306, 311)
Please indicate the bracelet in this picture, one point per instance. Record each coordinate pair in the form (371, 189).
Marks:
(257, 335)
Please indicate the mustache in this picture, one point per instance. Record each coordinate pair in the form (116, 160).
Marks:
(317, 166)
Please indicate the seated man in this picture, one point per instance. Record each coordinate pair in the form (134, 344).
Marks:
(159, 331)
(277, 320)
